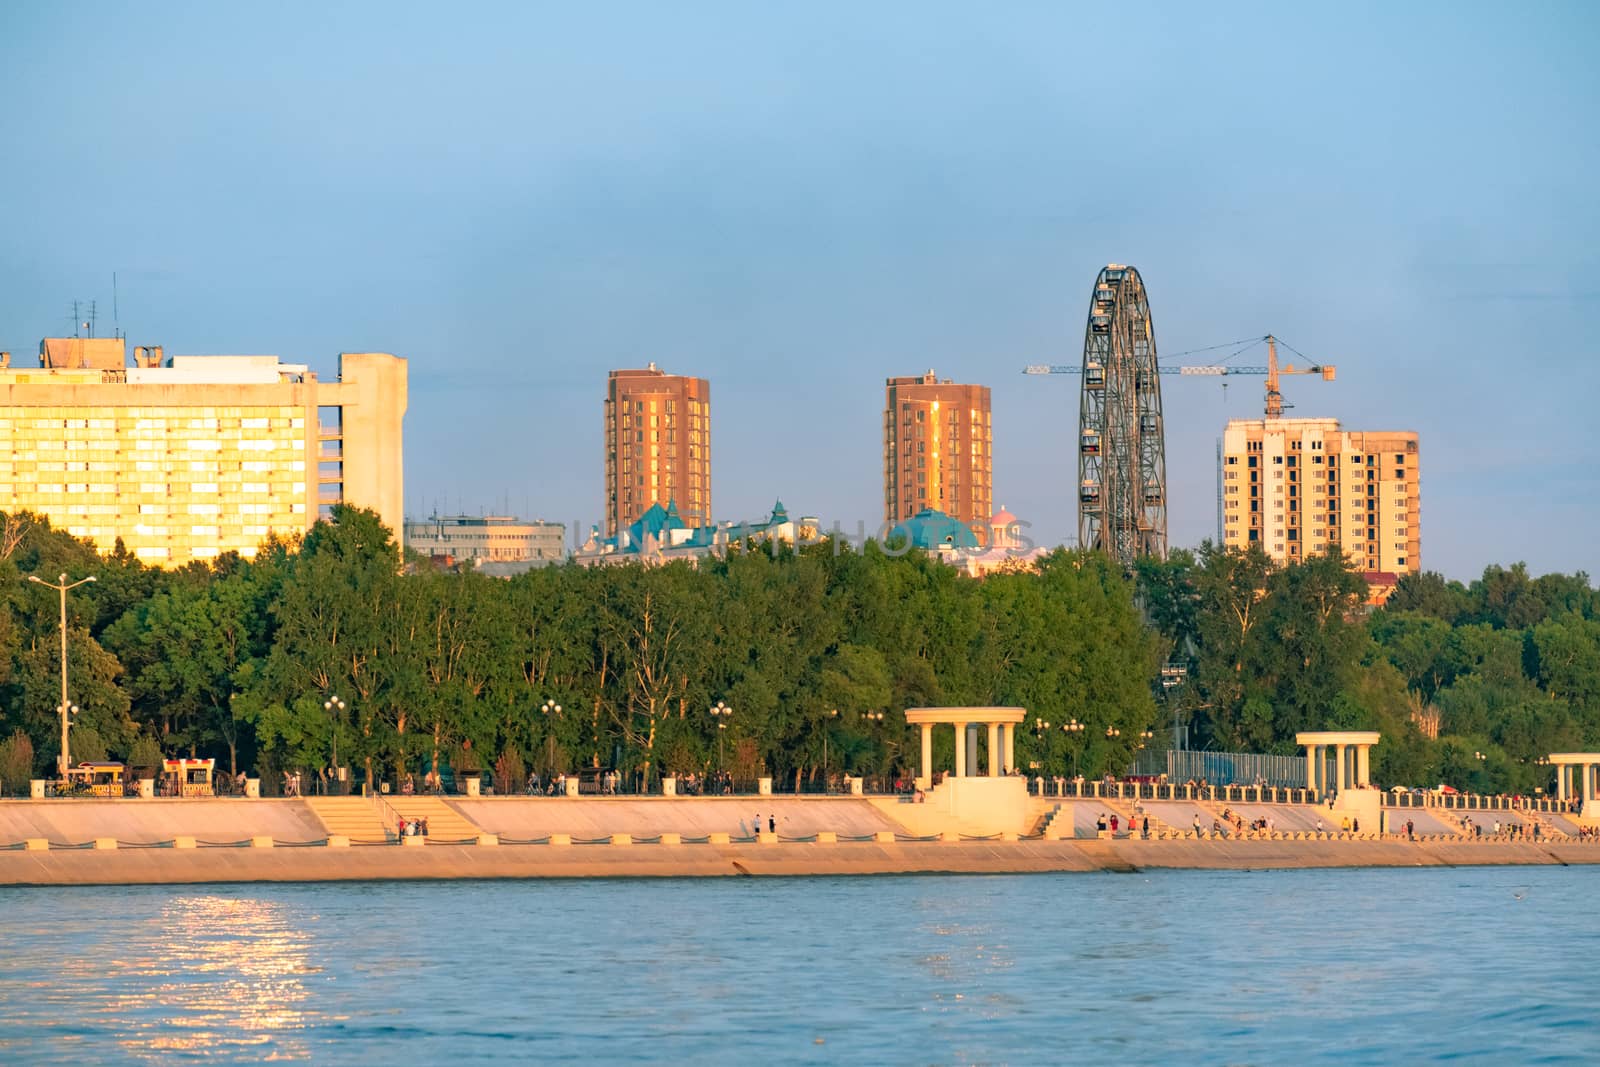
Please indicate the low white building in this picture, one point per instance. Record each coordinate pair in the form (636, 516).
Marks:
(481, 539)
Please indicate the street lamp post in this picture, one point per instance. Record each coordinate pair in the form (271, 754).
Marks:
(65, 708)
(832, 714)
(720, 713)
(549, 708)
(870, 717)
(1172, 677)
(1073, 729)
(335, 708)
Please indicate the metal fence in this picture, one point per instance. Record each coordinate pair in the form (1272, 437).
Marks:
(1223, 768)
(1083, 789)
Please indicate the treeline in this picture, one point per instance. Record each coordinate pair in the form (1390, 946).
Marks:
(439, 669)
(1471, 685)
(443, 670)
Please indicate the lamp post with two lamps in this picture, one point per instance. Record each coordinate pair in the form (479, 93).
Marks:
(1074, 731)
(871, 718)
(720, 714)
(66, 709)
(335, 708)
(1112, 733)
(1041, 732)
(549, 709)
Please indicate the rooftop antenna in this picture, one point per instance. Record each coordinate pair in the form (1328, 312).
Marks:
(116, 317)
(77, 319)
(92, 317)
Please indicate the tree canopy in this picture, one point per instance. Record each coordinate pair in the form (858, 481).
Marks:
(439, 669)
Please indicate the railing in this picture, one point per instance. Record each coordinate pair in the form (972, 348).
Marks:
(1230, 768)
(1480, 802)
(388, 816)
(1084, 789)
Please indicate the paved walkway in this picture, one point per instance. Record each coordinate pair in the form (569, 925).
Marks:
(526, 818)
(71, 821)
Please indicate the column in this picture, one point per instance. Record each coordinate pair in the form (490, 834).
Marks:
(1311, 766)
(994, 750)
(972, 750)
(927, 754)
(1363, 765)
(1561, 782)
(961, 750)
(1338, 767)
(1011, 745)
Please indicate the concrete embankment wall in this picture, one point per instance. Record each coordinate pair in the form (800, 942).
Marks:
(590, 817)
(135, 821)
(175, 866)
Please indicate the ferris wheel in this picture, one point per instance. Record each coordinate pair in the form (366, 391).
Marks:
(1122, 461)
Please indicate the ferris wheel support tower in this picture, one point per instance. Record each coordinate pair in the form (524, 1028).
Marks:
(1122, 456)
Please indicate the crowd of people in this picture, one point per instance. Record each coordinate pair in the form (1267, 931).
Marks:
(417, 827)
(1516, 831)
(1139, 823)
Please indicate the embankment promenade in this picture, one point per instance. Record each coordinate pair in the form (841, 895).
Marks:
(112, 842)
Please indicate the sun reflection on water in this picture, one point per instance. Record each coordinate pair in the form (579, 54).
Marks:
(208, 977)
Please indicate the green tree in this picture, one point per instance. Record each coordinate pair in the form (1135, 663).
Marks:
(16, 763)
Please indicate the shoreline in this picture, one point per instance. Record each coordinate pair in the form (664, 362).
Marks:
(167, 866)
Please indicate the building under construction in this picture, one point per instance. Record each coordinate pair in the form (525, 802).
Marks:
(1298, 487)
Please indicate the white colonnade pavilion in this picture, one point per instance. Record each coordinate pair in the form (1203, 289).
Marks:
(1584, 784)
(1001, 724)
(1352, 763)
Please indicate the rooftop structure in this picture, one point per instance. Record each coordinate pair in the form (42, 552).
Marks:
(662, 535)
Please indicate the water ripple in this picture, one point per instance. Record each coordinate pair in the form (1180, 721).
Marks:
(1353, 967)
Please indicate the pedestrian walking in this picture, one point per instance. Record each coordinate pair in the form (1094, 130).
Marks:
(772, 824)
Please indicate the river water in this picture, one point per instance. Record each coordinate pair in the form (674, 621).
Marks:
(1486, 965)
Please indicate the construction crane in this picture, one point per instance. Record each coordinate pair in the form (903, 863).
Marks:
(1275, 404)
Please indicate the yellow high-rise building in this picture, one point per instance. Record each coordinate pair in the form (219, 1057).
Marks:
(189, 457)
(1298, 486)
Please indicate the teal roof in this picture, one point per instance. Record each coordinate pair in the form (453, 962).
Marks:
(657, 520)
(932, 530)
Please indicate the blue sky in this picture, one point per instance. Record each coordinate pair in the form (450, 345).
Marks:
(797, 203)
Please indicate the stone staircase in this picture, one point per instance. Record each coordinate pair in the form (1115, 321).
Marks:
(444, 822)
(1049, 818)
(358, 818)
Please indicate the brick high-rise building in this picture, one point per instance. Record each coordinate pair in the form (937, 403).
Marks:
(1297, 486)
(937, 449)
(658, 446)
